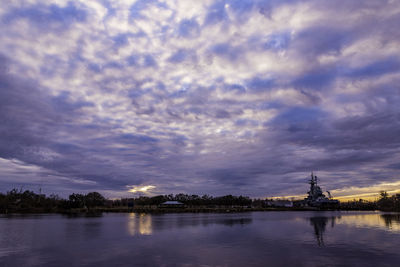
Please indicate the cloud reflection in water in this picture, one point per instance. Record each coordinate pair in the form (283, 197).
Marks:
(140, 224)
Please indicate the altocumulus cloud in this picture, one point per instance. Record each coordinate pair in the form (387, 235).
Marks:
(217, 97)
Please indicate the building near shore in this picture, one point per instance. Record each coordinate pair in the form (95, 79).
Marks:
(280, 203)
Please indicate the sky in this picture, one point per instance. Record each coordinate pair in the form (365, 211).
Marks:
(201, 97)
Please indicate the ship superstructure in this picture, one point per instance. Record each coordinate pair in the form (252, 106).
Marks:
(316, 198)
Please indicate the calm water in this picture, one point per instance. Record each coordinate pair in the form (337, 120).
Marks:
(241, 239)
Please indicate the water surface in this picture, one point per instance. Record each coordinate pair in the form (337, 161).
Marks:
(207, 239)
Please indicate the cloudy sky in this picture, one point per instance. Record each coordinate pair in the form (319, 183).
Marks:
(200, 97)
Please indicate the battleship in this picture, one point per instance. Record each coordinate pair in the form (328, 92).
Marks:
(316, 198)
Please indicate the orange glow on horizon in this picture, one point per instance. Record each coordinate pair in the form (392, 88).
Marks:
(371, 193)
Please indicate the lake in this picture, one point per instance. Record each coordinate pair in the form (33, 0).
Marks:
(203, 239)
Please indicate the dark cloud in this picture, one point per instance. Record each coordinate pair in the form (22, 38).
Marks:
(258, 84)
(323, 40)
(137, 8)
(52, 17)
(189, 28)
(45, 131)
(377, 68)
(277, 41)
(216, 13)
(206, 101)
(182, 55)
(235, 87)
(121, 39)
(142, 60)
(318, 78)
(227, 51)
(222, 114)
(246, 122)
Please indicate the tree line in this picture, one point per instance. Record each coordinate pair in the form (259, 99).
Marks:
(389, 203)
(384, 203)
(29, 201)
(188, 200)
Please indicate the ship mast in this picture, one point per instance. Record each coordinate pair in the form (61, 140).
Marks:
(312, 183)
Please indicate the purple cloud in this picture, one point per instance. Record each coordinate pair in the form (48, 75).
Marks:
(230, 97)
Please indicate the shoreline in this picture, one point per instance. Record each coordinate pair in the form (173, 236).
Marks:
(174, 210)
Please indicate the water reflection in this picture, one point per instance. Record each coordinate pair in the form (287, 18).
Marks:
(140, 224)
(319, 224)
(83, 215)
(231, 222)
(392, 221)
(388, 222)
(146, 224)
(191, 239)
(210, 219)
(92, 228)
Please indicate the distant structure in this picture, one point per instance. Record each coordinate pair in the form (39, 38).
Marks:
(315, 196)
(172, 204)
(280, 203)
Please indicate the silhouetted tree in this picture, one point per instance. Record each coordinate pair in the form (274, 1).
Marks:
(94, 199)
(77, 201)
(389, 203)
